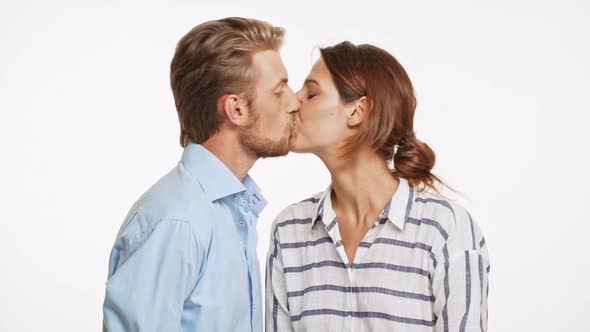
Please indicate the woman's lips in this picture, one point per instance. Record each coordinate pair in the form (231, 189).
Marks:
(293, 127)
(294, 122)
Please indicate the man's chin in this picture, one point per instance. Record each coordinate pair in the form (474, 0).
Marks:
(273, 154)
(274, 150)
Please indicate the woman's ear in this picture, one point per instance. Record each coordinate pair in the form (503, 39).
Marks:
(359, 111)
(235, 109)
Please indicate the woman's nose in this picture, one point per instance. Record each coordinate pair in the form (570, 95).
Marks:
(299, 95)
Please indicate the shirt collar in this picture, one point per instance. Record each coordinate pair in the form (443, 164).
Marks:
(257, 201)
(216, 179)
(397, 210)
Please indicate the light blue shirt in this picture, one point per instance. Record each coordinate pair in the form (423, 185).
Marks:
(185, 256)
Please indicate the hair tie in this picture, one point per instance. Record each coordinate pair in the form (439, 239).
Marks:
(406, 138)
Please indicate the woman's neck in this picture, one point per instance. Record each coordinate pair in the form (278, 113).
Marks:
(362, 185)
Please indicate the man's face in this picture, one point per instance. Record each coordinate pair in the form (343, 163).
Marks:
(272, 109)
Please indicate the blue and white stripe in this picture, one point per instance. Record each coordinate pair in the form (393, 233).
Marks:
(423, 266)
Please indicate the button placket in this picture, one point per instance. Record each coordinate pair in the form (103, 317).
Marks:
(350, 308)
(244, 199)
(242, 223)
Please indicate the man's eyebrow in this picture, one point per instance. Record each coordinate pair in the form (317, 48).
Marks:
(284, 80)
(309, 80)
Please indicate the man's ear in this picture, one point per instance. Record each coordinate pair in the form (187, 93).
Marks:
(235, 109)
(359, 110)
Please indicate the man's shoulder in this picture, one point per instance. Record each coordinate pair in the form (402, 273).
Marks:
(177, 197)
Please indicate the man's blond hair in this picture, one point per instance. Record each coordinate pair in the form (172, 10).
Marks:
(212, 60)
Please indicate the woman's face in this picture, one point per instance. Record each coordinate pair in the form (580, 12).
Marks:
(322, 121)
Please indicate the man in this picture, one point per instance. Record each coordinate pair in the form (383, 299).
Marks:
(185, 256)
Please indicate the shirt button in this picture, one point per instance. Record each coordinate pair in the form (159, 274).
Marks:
(242, 223)
(246, 196)
(244, 202)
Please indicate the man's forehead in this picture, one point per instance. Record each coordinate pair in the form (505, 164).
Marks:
(269, 66)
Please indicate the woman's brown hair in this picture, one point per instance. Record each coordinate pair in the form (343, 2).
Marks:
(366, 70)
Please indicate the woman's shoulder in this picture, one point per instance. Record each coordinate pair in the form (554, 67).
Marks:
(300, 212)
(446, 211)
(457, 227)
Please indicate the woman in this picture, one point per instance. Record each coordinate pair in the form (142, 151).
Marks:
(379, 250)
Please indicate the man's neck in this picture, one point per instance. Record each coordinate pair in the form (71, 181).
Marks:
(228, 149)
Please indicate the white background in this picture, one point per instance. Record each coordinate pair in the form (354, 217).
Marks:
(87, 123)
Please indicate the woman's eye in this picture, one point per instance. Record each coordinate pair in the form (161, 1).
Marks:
(311, 96)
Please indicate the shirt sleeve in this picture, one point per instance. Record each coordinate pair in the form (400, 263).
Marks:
(277, 315)
(151, 273)
(460, 279)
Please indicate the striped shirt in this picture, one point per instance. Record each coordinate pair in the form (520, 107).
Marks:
(423, 266)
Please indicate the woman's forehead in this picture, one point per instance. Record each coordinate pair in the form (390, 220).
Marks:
(319, 73)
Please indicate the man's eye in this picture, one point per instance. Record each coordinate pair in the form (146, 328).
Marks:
(278, 93)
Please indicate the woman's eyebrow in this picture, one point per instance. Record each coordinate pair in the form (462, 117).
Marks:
(309, 81)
